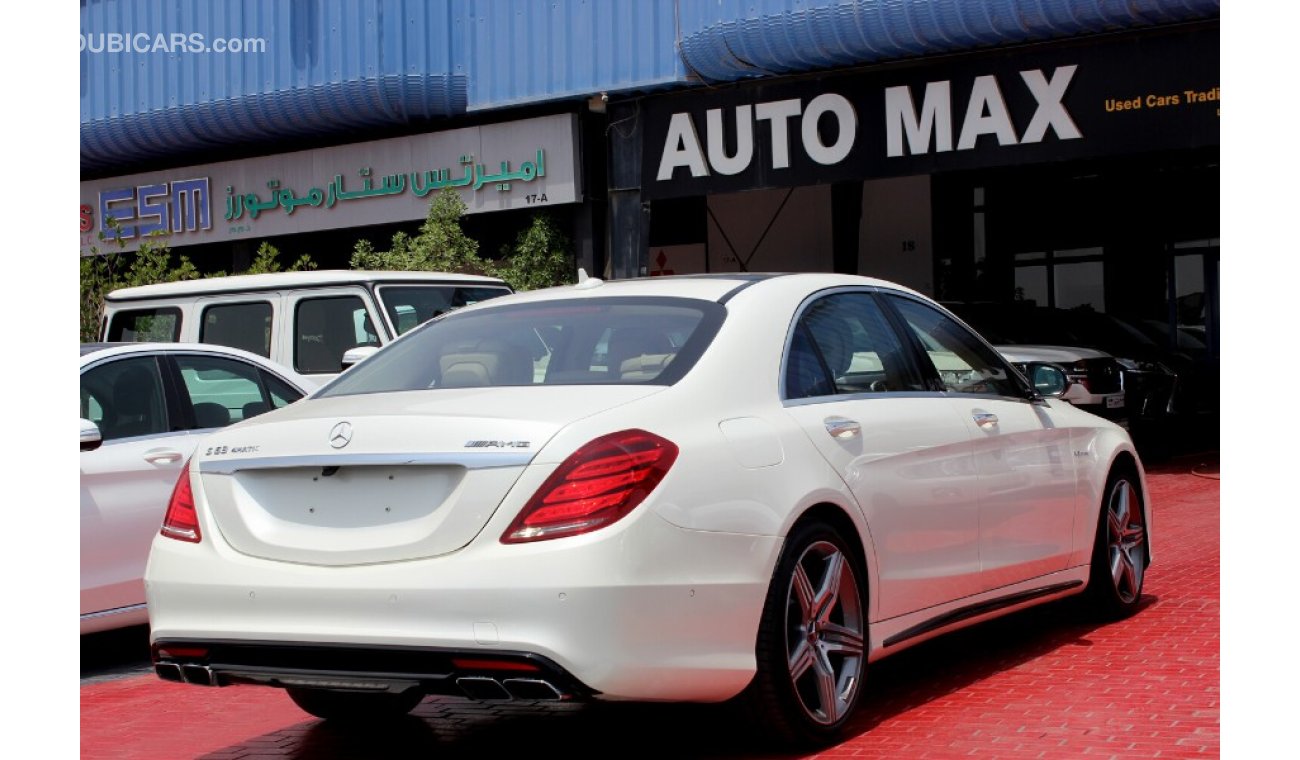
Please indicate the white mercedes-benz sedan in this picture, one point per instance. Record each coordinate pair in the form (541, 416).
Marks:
(681, 488)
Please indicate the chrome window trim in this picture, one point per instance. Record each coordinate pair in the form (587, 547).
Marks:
(114, 611)
(898, 394)
(470, 460)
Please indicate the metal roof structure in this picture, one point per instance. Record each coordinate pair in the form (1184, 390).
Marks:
(153, 86)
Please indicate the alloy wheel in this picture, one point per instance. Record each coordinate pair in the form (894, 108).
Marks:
(1126, 538)
(824, 632)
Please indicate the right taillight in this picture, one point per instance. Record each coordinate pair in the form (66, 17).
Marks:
(181, 521)
(597, 485)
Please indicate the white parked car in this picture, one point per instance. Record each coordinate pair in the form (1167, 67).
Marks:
(721, 486)
(143, 409)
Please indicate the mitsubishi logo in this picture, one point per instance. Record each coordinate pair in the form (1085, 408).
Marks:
(340, 435)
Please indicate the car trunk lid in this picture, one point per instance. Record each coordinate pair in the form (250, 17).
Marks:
(384, 478)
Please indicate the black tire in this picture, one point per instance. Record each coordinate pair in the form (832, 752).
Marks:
(358, 706)
(1119, 551)
(812, 640)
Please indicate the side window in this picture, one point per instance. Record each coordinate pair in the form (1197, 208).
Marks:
(282, 394)
(962, 362)
(221, 390)
(844, 344)
(411, 305)
(238, 325)
(324, 328)
(805, 372)
(161, 325)
(125, 398)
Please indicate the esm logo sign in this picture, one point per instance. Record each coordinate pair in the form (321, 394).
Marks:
(790, 124)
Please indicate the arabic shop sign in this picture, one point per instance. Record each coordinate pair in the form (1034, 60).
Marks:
(475, 176)
(522, 164)
(1155, 92)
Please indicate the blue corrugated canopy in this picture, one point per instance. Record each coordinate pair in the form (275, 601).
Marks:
(528, 52)
(311, 68)
(328, 69)
(726, 40)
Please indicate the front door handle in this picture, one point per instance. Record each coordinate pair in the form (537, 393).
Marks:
(842, 427)
(986, 420)
(162, 456)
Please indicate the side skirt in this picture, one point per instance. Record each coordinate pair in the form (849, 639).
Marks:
(980, 609)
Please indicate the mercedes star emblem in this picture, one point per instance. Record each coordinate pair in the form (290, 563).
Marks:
(341, 435)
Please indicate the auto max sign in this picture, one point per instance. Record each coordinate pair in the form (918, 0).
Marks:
(1068, 102)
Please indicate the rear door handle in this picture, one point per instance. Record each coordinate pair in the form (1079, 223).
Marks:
(986, 420)
(842, 427)
(162, 456)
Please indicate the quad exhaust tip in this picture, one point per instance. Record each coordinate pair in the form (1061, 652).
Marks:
(527, 689)
(200, 675)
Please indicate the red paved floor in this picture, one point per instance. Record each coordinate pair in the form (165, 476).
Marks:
(1041, 684)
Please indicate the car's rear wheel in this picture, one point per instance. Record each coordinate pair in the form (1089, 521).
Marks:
(812, 639)
(1119, 553)
(354, 705)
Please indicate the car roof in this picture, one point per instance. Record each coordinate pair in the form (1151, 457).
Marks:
(92, 352)
(279, 280)
(719, 287)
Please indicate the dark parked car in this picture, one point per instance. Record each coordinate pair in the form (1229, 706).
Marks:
(1170, 390)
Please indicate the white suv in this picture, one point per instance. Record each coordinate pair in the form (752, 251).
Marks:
(305, 321)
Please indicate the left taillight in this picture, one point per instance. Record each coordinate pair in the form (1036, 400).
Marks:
(181, 521)
(595, 486)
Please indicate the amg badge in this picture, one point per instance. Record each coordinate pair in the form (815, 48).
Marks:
(498, 444)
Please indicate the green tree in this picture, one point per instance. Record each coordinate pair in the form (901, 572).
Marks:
(105, 271)
(267, 259)
(541, 257)
(440, 246)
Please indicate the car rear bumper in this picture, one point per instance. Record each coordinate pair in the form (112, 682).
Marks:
(502, 675)
(668, 614)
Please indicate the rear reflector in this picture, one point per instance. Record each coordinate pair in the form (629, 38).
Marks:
(484, 663)
(597, 485)
(181, 521)
(170, 652)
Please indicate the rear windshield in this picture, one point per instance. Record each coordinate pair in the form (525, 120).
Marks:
(412, 305)
(651, 341)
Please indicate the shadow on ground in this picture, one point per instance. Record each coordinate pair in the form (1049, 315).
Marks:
(455, 728)
(114, 654)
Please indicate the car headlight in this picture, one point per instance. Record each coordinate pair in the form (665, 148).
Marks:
(1134, 365)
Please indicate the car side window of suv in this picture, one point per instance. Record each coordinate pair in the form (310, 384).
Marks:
(961, 361)
(157, 325)
(238, 325)
(843, 344)
(325, 328)
(125, 398)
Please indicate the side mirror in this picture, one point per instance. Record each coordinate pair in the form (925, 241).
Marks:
(1048, 379)
(90, 436)
(354, 356)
